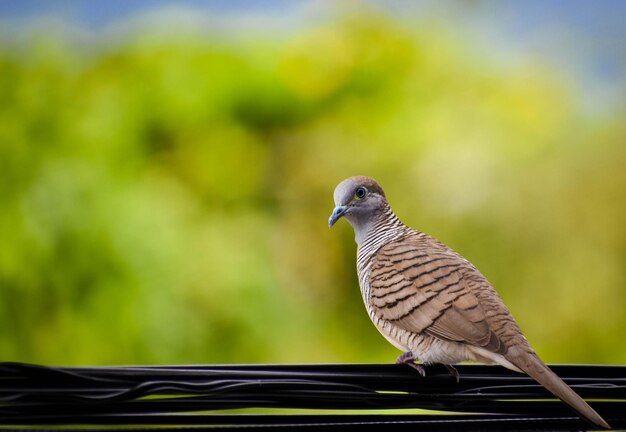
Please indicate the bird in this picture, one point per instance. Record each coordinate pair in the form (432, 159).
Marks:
(432, 303)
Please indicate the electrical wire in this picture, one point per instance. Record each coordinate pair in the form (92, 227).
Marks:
(486, 398)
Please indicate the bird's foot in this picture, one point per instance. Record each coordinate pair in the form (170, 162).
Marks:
(453, 372)
(408, 358)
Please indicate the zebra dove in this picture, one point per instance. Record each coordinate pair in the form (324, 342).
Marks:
(432, 303)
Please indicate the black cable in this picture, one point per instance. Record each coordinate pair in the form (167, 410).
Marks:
(148, 395)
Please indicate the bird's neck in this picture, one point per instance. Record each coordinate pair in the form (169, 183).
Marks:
(373, 233)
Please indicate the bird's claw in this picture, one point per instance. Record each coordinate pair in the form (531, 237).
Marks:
(453, 372)
(408, 359)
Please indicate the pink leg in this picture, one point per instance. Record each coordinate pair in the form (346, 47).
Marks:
(408, 358)
(453, 372)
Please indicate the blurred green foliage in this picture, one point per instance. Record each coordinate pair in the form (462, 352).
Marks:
(165, 199)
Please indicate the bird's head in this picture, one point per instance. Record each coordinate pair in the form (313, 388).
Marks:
(359, 199)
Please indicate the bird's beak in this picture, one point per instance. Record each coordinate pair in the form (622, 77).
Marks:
(339, 211)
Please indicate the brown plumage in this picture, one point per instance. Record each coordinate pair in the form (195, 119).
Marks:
(432, 303)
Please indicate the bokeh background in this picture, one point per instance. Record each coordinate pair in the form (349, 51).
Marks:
(167, 169)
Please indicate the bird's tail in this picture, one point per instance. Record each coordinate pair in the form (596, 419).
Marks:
(533, 366)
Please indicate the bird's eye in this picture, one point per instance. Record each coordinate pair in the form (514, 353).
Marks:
(360, 192)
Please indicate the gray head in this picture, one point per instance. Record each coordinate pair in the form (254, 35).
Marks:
(360, 200)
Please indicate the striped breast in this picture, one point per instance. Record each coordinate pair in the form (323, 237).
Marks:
(425, 291)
